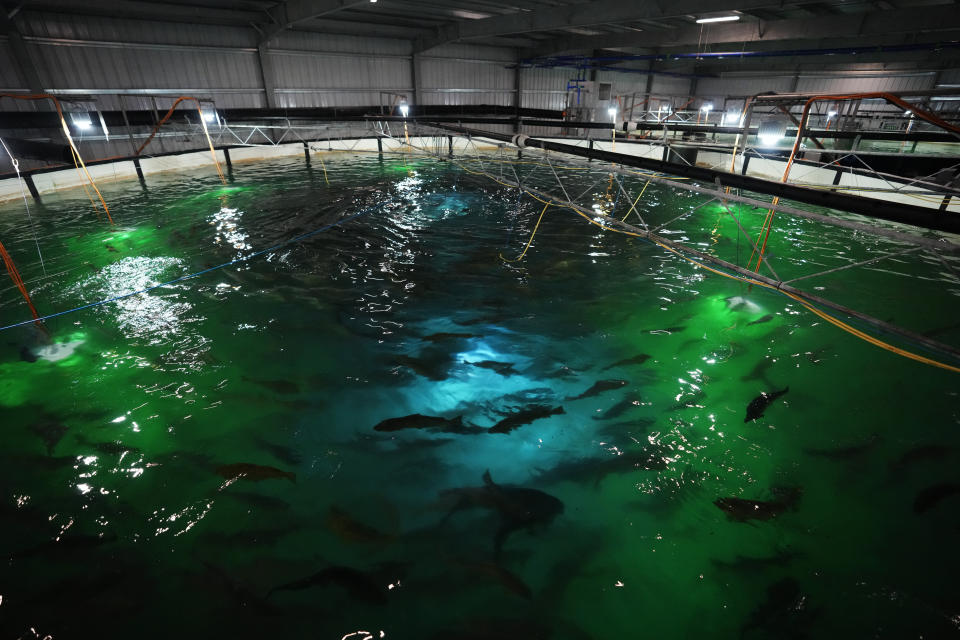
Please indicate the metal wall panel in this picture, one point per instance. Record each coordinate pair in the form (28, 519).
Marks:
(671, 86)
(8, 75)
(743, 86)
(828, 85)
(303, 41)
(74, 27)
(546, 88)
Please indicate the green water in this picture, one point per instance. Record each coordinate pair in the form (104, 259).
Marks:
(120, 517)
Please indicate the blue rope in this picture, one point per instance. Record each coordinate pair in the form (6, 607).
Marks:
(198, 273)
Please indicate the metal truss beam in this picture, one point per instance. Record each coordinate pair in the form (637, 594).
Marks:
(877, 23)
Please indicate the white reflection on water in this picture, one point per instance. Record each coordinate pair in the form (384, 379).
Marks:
(226, 222)
(152, 316)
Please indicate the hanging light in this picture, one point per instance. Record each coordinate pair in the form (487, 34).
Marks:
(718, 19)
(404, 109)
(613, 113)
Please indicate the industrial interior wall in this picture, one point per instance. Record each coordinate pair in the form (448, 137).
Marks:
(105, 57)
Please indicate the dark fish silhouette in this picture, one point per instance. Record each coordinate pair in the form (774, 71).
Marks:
(266, 537)
(78, 542)
(259, 501)
(595, 469)
(620, 408)
(931, 496)
(759, 404)
(350, 529)
(845, 453)
(51, 433)
(924, 453)
(287, 455)
(617, 429)
(357, 584)
(113, 448)
(239, 592)
(418, 421)
(433, 364)
(598, 388)
(27, 355)
(440, 337)
(255, 472)
(518, 507)
(525, 416)
(759, 372)
(742, 563)
(640, 359)
(780, 615)
(766, 318)
(742, 510)
(503, 368)
(284, 387)
(494, 571)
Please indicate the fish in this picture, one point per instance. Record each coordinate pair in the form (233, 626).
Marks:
(110, 248)
(241, 594)
(284, 387)
(779, 615)
(519, 508)
(759, 372)
(349, 529)
(525, 416)
(51, 433)
(638, 359)
(287, 455)
(258, 500)
(435, 365)
(766, 318)
(844, 453)
(616, 429)
(78, 542)
(492, 570)
(646, 458)
(923, 453)
(440, 337)
(254, 472)
(503, 368)
(931, 496)
(598, 388)
(759, 404)
(248, 537)
(620, 408)
(741, 563)
(742, 509)
(113, 448)
(419, 421)
(359, 585)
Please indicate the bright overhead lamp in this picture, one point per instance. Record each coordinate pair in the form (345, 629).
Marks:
(830, 114)
(82, 122)
(706, 107)
(612, 111)
(209, 116)
(718, 19)
(404, 109)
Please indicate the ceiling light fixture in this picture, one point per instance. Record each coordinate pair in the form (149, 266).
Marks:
(717, 19)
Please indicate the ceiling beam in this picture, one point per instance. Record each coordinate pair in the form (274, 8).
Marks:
(924, 19)
(289, 13)
(579, 15)
(148, 11)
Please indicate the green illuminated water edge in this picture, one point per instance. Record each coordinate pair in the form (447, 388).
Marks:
(126, 507)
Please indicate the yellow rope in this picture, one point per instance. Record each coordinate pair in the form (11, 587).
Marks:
(634, 205)
(530, 241)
